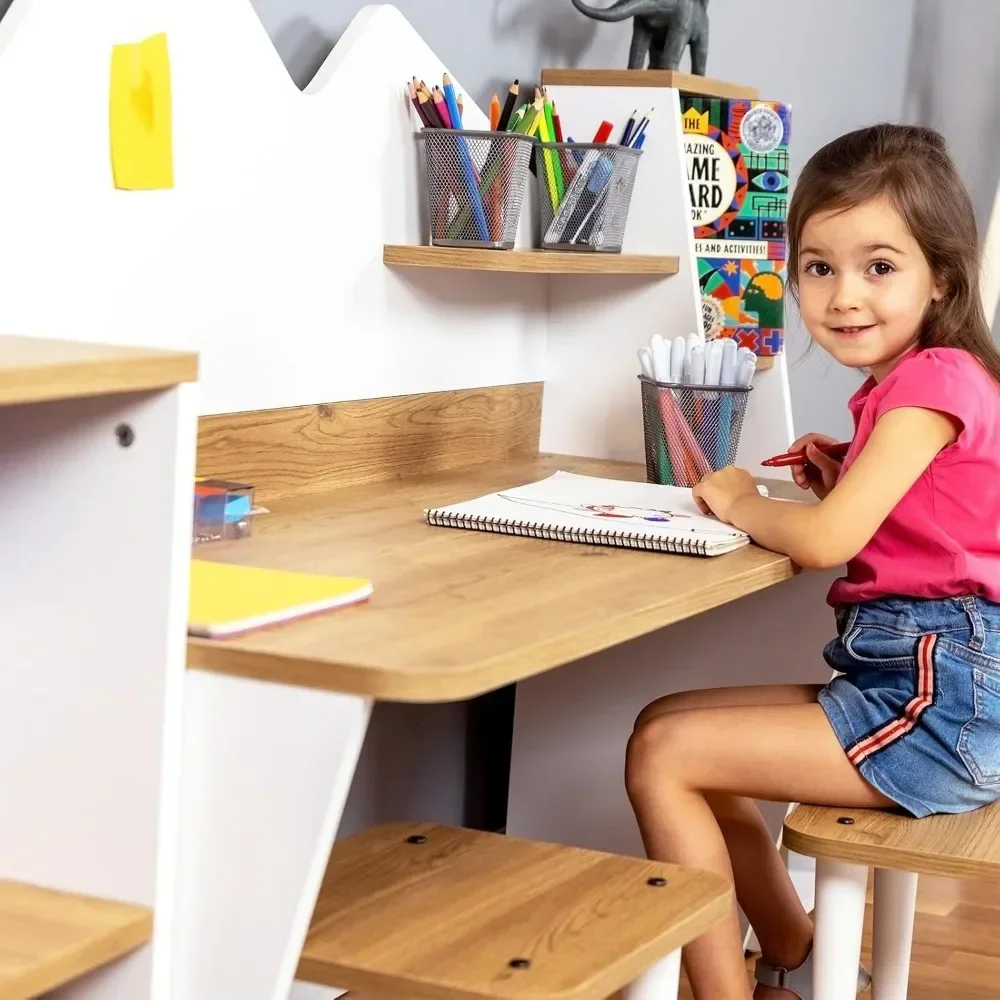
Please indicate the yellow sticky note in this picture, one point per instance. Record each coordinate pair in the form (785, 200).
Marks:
(141, 131)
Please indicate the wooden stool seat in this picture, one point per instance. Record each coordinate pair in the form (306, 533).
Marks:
(847, 843)
(962, 846)
(49, 938)
(420, 910)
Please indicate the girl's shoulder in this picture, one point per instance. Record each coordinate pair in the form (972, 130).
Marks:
(945, 369)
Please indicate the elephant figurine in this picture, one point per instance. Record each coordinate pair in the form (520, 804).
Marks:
(663, 30)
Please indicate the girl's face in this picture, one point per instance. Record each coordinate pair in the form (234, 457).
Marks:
(864, 285)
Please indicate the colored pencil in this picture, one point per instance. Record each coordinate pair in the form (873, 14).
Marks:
(495, 112)
(442, 108)
(453, 108)
(838, 452)
(629, 125)
(553, 167)
(604, 132)
(558, 124)
(515, 119)
(415, 101)
(433, 118)
(509, 105)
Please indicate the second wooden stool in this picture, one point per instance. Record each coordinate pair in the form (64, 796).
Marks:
(849, 842)
(419, 910)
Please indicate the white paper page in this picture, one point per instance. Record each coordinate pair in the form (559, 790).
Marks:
(566, 500)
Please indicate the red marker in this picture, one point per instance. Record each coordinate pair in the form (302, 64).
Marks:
(604, 132)
(834, 451)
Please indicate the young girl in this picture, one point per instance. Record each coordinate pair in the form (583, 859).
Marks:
(884, 263)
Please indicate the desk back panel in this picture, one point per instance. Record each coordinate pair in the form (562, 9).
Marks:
(311, 449)
(266, 256)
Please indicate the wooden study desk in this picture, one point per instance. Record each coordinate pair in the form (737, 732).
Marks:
(275, 719)
(456, 613)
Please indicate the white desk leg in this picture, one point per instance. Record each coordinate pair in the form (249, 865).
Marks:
(659, 982)
(95, 542)
(895, 907)
(266, 771)
(840, 918)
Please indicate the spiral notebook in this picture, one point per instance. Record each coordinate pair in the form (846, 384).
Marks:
(572, 508)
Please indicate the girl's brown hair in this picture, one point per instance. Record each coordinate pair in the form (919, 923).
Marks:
(909, 166)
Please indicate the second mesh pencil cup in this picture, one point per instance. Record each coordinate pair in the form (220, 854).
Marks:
(690, 431)
(475, 186)
(584, 194)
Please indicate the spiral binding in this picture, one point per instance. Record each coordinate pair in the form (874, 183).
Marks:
(584, 536)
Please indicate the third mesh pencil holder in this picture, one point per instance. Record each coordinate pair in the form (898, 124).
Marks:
(475, 186)
(690, 431)
(584, 194)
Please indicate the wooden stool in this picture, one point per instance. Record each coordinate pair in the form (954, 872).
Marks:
(419, 910)
(846, 844)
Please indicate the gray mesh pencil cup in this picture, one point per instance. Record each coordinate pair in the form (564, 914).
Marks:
(690, 431)
(584, 194)
(475, 186)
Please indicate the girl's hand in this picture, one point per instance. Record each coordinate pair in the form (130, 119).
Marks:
(829, 468)
(718, 492)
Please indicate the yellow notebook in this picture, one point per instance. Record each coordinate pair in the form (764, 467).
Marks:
(227, 599)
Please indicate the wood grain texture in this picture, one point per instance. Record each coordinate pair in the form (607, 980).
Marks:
(956, 942)
(529, 261)
(49, 938)
(34, 370)
(311, 449)
(964, 846)
(458, 613)
(442, 920)
(686, 82)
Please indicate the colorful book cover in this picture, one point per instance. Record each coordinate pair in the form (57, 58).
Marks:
(737, 163)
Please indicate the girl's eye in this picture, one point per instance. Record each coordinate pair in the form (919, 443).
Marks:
(881, 268)
(818, 269)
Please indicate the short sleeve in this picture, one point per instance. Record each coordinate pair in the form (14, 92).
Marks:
(945, 379)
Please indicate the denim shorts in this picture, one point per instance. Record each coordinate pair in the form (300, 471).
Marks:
(917, 705)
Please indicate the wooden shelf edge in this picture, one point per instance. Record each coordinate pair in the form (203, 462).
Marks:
(38, 369)
(529, 261)
(704, 86)
(62, 936)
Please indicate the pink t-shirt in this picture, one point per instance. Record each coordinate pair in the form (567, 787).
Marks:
(943, 538)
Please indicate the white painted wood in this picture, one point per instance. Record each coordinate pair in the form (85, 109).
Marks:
(840, 917)
(310, 991)
(592, 393)
(269, 249)
(93, 650)
(266, 771)
(659, 982)
(991, 263)
(894, 911)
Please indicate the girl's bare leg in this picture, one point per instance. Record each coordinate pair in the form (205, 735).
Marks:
(694, 763)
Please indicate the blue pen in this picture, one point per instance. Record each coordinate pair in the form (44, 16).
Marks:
(478, 212)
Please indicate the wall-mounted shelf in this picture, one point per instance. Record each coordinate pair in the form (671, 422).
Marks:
(528, 261)
(686, 82)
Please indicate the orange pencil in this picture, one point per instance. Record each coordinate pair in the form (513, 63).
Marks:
(495, 110)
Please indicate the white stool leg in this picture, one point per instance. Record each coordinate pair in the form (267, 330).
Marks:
(840, 917)
(894, 912)
(660, 982)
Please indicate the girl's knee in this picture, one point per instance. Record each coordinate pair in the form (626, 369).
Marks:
(665, 706)
(654, 750)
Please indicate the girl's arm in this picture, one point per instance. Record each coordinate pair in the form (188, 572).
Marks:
(902, 445)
